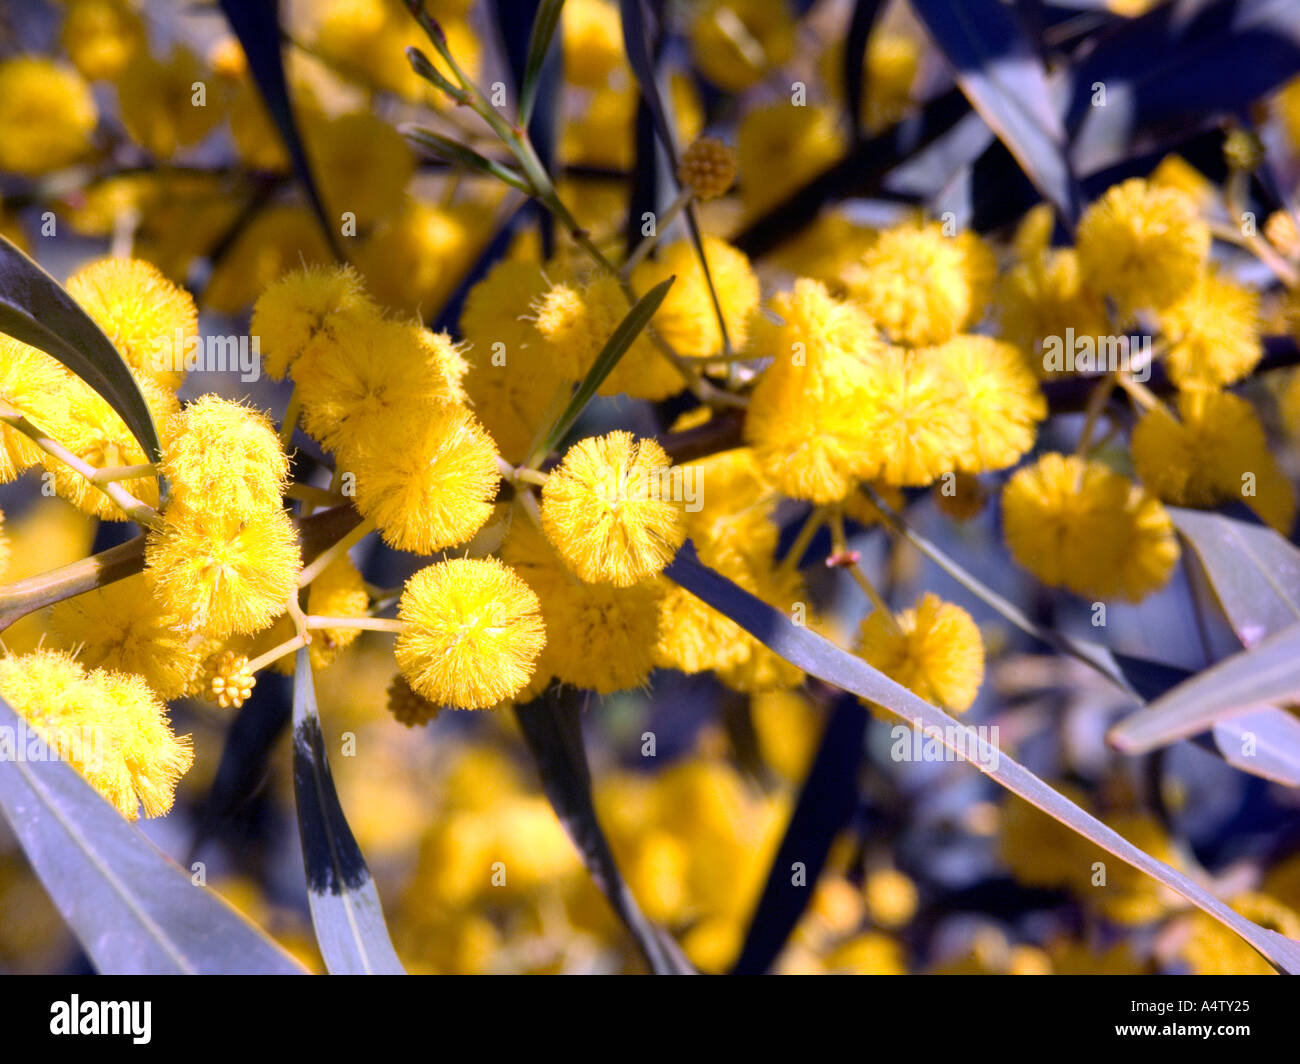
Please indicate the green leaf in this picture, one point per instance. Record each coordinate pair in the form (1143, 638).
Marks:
(35, 309)
(615, 348)
(1255, 573)
(345, 909)
(134, 911)
(552, 728)
(819, 657)
(539, 43)
(1266, 674)
(449, 151)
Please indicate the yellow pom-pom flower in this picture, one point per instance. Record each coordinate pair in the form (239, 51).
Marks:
(1214, 451)
(109, 726)
(305, 304)
(735, 42)
(102, 36)
(687, 319)
(353, 383)
(780, 147)
(92, 430)
(914, 420)
(592, 32)
(223, 457)
(1043, 296)
(805, 416)
(999, 394)
(1212, 332)
(121, 628)
(934, 650)
(150, 320)
(1143, 245)
(608, 509)
(921, 286)
(223, 575)
(1077, 524)
(471, 632)
(577, 318)
(159, 103)
(430, 480)
(707, 168)
(47, 115)
(31, 383)
(603, 636)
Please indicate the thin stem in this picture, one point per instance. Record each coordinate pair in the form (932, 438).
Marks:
(309, 493)
(840, 543)
(127, 472)
(369, 624)
(290, 418)
(1141, 395)
(139, 512)
(335, 550)
(276, 653)
(805, 536)
(649, 243)
(1096, 404)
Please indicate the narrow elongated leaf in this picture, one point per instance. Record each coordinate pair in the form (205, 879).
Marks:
(1001, 74)
(447, 149)
(35, 309)
(134, 911)
(257, 25)
(553, 730)
(826, 801)
(1181, 66)
(865, 13)
(1264, 675)
(85, 574)
(637, 36)
(1254, 572)
(345, 909)
(615, 348)
(819, 657)
(539, 44)
(1264, 743)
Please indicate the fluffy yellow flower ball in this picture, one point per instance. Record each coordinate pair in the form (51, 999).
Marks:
(353, 381)
(223, 457)
(922, 286)
(302, 305)
(1212, 332)
(780, 147)
(472, 632)
(47, 115)
(609, 511)
(121, 628)
(934, 650)
(735, 42)
(109, 726)
(604, 635)
(160, 104)
(1143, 245)
(223, 575)
(102, 36)
(150, 320)
(1077, 524)
(1215, 450)
(687, 319)
(429, 480)
(999, 395)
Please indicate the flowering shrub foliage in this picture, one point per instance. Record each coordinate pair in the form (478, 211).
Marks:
(783, 404)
